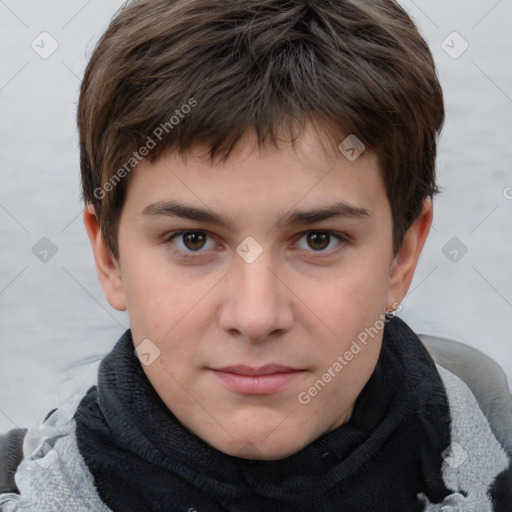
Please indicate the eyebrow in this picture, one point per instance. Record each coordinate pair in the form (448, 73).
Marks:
(337, 210)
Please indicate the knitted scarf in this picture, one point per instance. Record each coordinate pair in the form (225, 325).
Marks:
(388, 453)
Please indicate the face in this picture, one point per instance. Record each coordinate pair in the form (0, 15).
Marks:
(256, 282)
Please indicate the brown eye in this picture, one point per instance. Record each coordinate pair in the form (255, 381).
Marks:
(190, 242)
(194, 240)
(318, 240)
(322, 242)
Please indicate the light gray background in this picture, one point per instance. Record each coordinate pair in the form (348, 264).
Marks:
(54, 315)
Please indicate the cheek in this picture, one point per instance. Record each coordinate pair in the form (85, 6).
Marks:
(350, 300)
(156, 296)
(172, 312)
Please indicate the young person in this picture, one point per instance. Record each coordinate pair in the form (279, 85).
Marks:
(258, 178)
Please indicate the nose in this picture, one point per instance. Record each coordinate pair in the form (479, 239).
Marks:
(257, 304)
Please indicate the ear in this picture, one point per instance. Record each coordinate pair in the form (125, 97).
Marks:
(109, 270)
(404, 263)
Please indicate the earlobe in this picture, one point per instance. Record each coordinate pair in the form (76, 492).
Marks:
(405, 262)
(107, 267)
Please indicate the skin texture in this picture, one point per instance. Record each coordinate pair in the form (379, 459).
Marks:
(300, 303)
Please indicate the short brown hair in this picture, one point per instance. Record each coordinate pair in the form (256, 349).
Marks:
(359, 66)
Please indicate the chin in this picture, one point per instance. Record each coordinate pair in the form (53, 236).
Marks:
(261, 444)
(259, 451)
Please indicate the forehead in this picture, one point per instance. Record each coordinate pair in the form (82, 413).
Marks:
(307, 174)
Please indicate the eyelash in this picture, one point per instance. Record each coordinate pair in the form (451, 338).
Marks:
(343, 239)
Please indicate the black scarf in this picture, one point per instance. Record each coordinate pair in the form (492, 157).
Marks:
(143, 459)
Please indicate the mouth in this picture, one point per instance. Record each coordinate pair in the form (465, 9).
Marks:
(265, 380)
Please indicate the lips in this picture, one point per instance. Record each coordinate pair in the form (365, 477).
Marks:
(263, 380)
(268, 369)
